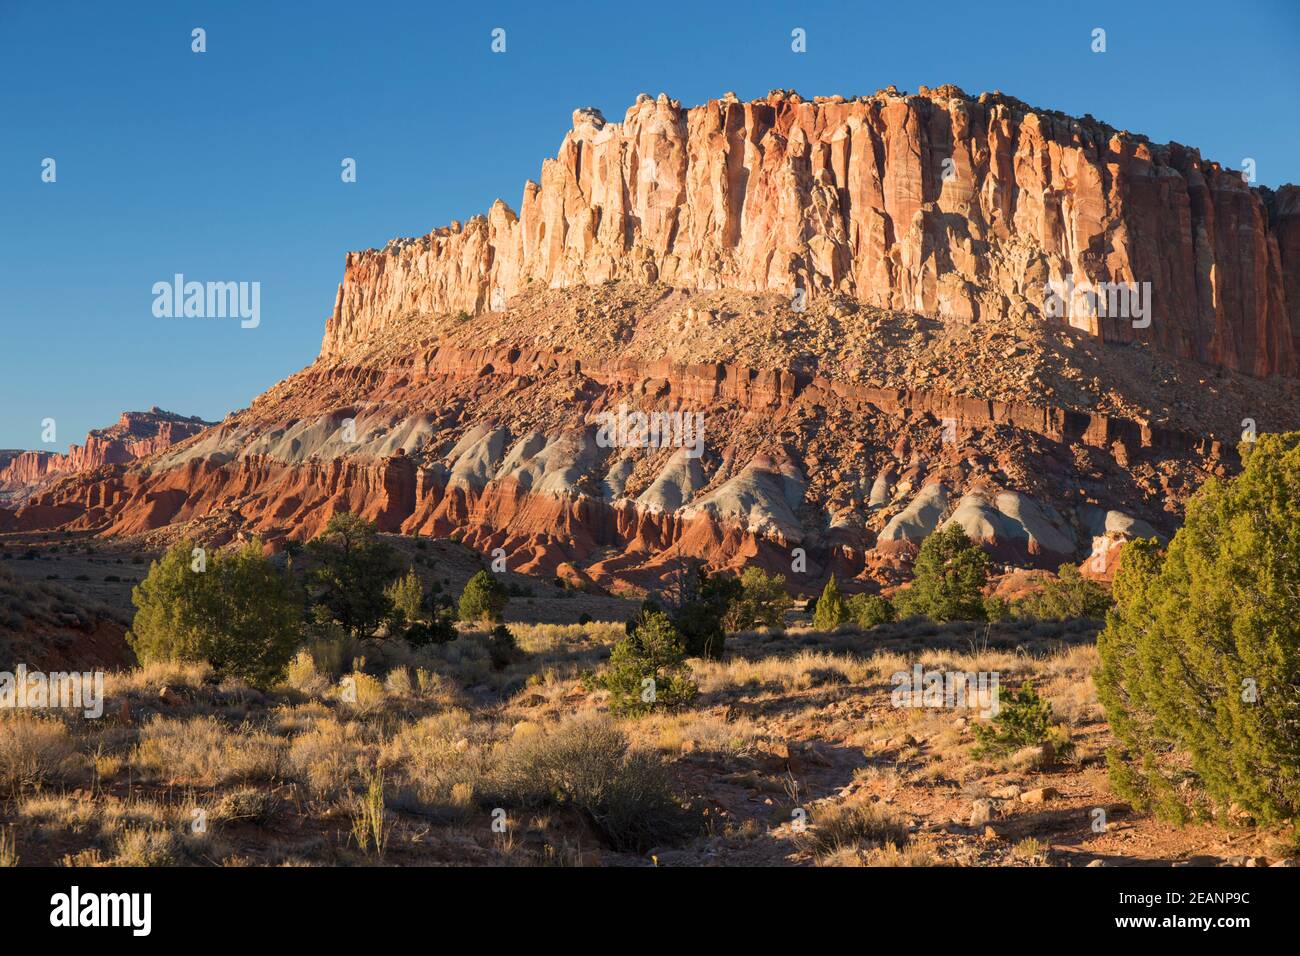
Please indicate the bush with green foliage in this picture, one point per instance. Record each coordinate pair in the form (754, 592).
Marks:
(439, 627)
(998, 608)
(948, 579)
(699, 612)
(484, 599)
(1200, 657)
(647, 669)
(763, 601)
(831, 610)
(1068, 595)
(502, 647)
(1023, 719)
(870, 610)
(406, 595)
(240, 613)
(352, 569)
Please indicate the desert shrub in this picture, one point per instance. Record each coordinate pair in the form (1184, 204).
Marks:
(1023, 719)
(147, 847)
(997, 609)
(948, 579)
(247, 805)
(34, 751)
(439, 628)
(1068, 595)
(762, 600)
(502, 647)
(371, 826)
(1200, 656)
(406, 595)
(870, 610)
(444, 758)
(697, 605)
(484, 598)
(421, 618)
(240, 614)
(362, 692)
(585, 764)
(204, 752)
(647, 669)
(302, 675)
(327, 756)
(352, 569)
(852, 823)
(831, 611)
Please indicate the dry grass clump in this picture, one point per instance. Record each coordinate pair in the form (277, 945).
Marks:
(1067, 684)
(247, 805)
(798, 671)
(361, 693)
(35, 751)
(585, 764)
(1030, 850)
(422, 684)
(445, 759)
(148, 680)
(203, 752)
(329, 755)
(303, 676)
(63, 812)
(855, 823)
(889, 855)
(543, 638)
(147, 847)
(694, 731)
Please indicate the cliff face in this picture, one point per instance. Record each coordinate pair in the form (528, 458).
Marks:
(957, 208)
(135, 435)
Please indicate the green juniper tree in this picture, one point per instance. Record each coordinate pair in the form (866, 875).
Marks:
(234, 610)
(948, 579)
(1200, 657)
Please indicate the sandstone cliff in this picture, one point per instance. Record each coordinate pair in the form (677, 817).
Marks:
(959, 208)
(134, 435)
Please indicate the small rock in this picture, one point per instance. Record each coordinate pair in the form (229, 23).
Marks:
(1040, 795)
(990, 833)
(168, 696)
(1284, 863)
(981, 812)
(1008, 792)
(1098, 863)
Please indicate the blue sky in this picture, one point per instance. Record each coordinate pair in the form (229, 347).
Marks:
(225, 165)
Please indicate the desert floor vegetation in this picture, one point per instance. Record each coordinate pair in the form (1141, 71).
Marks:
(374, 752)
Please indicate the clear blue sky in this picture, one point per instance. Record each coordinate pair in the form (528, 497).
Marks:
(225, 165)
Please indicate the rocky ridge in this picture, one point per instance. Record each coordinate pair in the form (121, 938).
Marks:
(134, 435)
